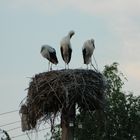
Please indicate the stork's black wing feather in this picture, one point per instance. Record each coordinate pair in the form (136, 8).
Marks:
(53, 57)
(84, 55)
(70, 52)
(61, 49)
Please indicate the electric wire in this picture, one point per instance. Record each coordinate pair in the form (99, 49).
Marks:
(4, 113)
(13, 128)
(16, 136)
(9, 123)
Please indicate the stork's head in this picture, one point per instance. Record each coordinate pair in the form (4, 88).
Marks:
(71, 33)
(92, 41)
(42, 48)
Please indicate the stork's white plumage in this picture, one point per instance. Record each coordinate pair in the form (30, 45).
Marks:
(87, 51)
(65, 48)
(49, 53)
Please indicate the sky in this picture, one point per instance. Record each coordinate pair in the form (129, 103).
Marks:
(26, 25)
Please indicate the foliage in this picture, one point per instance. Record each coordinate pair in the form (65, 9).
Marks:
(121, 112)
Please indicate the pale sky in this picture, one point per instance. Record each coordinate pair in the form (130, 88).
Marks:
(25, 25)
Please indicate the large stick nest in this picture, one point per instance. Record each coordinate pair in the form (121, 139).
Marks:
(50, 92)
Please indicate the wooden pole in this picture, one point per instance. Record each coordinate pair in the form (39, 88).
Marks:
(71, 133)
(64, 132)
(67, 123)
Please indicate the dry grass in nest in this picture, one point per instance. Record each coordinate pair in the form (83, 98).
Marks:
(50, 92)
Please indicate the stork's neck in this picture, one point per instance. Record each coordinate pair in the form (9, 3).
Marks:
(42, 48)
(70, 35)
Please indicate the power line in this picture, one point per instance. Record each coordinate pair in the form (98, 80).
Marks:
(8, 112)
(16, 136)
(13, 128)
(9, 123)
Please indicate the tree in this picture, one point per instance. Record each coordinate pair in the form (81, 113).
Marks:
(121, 112)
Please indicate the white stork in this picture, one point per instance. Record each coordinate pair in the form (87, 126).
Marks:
(49, 53)
(65, 47)
(87, 51)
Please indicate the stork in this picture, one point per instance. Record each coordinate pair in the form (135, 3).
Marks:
(87, 51)
(66, 49)
(49, 53)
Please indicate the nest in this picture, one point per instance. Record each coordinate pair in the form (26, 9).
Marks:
(53, 91)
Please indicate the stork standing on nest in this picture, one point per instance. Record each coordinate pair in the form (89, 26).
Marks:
(49, 53)
(87, 51)
(65, 48)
